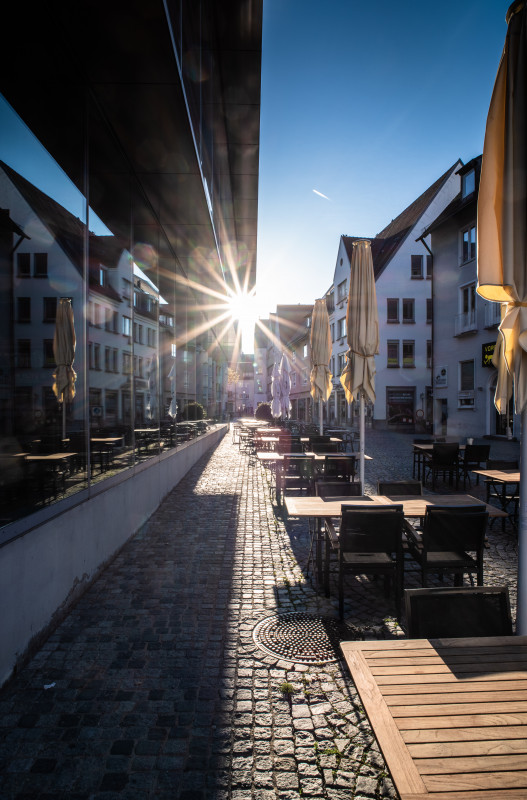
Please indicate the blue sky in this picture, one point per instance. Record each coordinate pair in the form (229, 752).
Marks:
(368, 103)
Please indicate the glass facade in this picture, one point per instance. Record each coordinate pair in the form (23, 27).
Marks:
(125, 222)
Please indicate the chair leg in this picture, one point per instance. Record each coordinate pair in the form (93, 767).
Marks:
(341, 592)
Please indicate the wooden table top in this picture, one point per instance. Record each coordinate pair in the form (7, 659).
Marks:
(413, 505)
(501, 475)
(450, 715)
(427, 448)
(49, 456)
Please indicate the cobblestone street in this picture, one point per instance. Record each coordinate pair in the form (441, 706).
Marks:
(154, 686)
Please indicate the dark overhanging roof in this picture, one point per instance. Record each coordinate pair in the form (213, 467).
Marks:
(146, 167)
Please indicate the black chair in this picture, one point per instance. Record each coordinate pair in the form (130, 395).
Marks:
(457, 612)
(450, 534)
(339, 468)
(443, 460)
(325, 447)
(297, 473)
(473, 457)
(419, 456)
(329, 489)
(370, 543)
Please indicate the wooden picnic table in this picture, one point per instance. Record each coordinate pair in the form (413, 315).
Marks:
(450, 715)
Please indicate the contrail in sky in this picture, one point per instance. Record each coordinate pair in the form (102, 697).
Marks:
(322, 195)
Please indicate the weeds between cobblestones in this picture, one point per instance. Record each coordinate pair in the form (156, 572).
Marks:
(157, 687)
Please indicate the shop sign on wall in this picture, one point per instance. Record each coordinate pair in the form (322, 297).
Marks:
(441, 377)
(487, 351)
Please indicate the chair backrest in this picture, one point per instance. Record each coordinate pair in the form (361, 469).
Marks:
(342, 467)
(302, 467)
(445, 453)
(423, 441)
(394, 488)
(324, 447)
(476, 453)
(454, 528)
(371, 529)
(500, 463)
(327, 489)
(459, 611)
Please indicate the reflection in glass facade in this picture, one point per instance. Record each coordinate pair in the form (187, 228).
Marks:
(119, 198)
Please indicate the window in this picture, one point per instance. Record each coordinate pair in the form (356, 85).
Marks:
(341, 362)
(429, 310)
(392, 313)
(94, 355)
(408, 310)
(341, 291)
(23, 309)
(466, 376)
(41, 265)
(96, 319)
(23, 353)
(138, 333)
(469, 245)
(332, 328)
(127, 326)
(429, 265)
(408, 354)
(392, 353)
(429, 354)
(49, 309)
(468, 183)
(305, 351)
(103, 277)
(127, 363)
(110, 320)
(293, 380)
(304, 377)
(341, 329)
(151, 334)
(47, 349)
(110, 359)
(466, 319)
(23, 265)
(417, 267)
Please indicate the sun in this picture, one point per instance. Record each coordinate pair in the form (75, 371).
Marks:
(243, 310)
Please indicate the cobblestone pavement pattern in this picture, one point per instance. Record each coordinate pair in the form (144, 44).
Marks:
(153, 686)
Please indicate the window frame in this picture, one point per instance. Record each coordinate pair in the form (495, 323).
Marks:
(408, 302)
(392, 320)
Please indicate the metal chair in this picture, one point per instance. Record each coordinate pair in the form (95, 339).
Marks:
(450, 534)
(473, 457)
(444, 460)
(370, 543)
(457, 612)
(399, 488)
(497, 490)
(328, 490)
(339, 468)
(298, 473)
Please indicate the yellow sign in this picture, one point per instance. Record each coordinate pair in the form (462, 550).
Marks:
(487, 351)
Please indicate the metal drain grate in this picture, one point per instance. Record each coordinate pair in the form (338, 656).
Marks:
(302, 638)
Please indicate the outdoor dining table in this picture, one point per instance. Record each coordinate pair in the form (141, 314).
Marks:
(502, 478)
(320, 509)
(450, 715)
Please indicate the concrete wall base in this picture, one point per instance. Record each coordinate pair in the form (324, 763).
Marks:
(45, 568)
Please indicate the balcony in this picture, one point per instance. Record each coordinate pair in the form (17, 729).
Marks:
(465, 323)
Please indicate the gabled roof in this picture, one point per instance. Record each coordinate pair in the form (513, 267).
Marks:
(386, 243)
(459, 202)
(68, 231)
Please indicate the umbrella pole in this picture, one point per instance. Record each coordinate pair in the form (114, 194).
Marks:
(361, 444)
(521, 609)
(63, 418)
(320, 420)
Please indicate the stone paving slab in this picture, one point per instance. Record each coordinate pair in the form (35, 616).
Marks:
(154, 686)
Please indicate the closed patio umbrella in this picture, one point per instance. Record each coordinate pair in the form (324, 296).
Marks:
(502, 241)
(172, 409)
(362, 324)
(276, 406)
(285, 386)
(321, 384)
(64, 342)
(151, 404)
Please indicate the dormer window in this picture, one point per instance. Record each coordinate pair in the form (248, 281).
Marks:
(468, 183)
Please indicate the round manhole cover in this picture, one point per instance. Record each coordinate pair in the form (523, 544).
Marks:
(302, 638)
